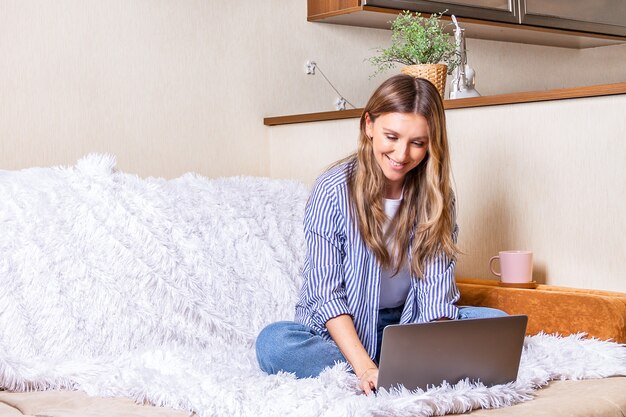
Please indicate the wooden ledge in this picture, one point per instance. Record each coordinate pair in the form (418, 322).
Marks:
(463, 103)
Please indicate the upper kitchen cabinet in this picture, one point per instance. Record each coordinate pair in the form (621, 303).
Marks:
(599, 16)
(563, 23)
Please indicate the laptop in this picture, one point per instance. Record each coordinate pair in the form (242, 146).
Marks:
(427, 354)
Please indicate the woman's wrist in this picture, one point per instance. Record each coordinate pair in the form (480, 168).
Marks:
(360, 369)
(365, 371)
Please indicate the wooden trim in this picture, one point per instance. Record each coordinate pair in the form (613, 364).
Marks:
(321, 17)
(463, 103)
(324, 8)
(313, 117)
(534, 96)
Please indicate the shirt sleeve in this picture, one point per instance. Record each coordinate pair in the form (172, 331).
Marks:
(438, 292)
(325, 236)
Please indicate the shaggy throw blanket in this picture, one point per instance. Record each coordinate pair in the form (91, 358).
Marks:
(156, 290)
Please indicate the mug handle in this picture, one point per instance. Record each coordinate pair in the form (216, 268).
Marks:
(493, 258)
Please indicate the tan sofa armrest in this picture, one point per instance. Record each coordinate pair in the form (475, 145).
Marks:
(601, 314)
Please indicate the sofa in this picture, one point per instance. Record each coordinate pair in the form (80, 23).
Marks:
(549, 308)
(119, 293)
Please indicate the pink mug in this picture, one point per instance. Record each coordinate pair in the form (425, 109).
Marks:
(516, 266)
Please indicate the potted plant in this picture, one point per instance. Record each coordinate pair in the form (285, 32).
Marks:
(422, 45)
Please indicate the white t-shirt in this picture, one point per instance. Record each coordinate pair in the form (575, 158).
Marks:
(393, 288)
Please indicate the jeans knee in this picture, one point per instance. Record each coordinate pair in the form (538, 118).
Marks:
(273, 332)
(268, 345)
(494, 312)
(295, 348)
(480, 312)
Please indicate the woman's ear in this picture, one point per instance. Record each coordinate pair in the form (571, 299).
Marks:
(369, 126)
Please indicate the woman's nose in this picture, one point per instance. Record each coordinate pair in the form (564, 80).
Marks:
(401, 152)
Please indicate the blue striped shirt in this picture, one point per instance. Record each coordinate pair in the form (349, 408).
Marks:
(342, 275)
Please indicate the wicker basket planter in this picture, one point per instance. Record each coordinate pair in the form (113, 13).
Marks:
(435, 73)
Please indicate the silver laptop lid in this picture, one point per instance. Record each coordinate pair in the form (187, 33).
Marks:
(422, 355)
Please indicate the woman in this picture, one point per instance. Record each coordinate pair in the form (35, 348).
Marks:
(381, 241)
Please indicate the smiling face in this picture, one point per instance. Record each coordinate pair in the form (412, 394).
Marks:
(400, 143)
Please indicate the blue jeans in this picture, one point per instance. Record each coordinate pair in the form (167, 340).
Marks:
(293, 347)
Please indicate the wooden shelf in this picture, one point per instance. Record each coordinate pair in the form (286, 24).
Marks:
(463, 103)
(350, 12)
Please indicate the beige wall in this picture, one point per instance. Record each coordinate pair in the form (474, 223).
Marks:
(548, 177)
(167, 86)
(177, 86)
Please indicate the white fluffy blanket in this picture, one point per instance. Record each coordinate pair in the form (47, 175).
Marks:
(156, 290)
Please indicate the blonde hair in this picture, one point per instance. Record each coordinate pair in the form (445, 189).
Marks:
(427, 204)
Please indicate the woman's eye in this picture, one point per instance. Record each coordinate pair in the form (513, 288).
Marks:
(391, 138)
(418, 144)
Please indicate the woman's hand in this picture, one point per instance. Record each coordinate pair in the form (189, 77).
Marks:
(368, 380)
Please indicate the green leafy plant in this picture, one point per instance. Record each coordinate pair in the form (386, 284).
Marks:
(416, 39)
